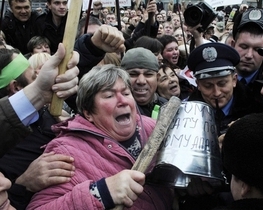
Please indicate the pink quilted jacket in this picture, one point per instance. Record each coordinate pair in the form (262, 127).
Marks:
(95, 156)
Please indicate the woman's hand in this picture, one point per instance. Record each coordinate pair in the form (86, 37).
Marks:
(125, 186)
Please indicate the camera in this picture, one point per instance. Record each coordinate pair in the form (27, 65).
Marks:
(199, 13)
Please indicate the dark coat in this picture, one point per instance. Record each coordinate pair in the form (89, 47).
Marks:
(90, 55)
(45, 27)
(147, 109)
(12, 129)
(254, 89)
(244, 204)
(142, 29)
(16, 161)
(19, 33)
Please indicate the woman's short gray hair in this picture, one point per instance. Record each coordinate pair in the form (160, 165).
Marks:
(97, 78)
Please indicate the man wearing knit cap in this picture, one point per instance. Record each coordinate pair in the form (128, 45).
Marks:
(242, 157)
(213, 65)
(142, 65)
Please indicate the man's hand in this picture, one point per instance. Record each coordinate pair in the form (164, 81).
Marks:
(5, 184)
(196, 34)
(151, 10)
(48, 169)
(125, 186)
(40, 91)
(108, 39)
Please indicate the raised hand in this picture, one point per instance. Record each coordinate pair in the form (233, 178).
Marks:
(108, 39)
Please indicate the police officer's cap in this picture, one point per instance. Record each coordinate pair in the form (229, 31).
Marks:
(248, 18)
(212, 60)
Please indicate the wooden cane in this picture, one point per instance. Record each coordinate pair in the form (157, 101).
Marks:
(164, 120)
(68, 41)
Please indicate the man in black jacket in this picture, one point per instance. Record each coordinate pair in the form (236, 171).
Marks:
(248, 42)
(52, 24)
(18, 24)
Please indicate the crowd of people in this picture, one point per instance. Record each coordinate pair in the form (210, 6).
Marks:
(123, 70)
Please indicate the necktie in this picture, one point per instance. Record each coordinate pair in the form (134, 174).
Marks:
(243, 80)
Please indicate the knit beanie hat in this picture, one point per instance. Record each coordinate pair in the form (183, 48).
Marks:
(243, 150)
(141, 58)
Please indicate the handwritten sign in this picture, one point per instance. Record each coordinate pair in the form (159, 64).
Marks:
(107, 3)
(193, 128)
(218, 3)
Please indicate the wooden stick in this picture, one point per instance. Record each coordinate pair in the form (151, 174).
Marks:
(159, 132)
(68, 41)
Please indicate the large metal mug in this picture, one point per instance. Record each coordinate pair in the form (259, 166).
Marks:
(190, 148)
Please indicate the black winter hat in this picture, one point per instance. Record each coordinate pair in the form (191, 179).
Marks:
(243, 150)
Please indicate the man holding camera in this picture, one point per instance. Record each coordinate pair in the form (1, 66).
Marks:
(198, 19)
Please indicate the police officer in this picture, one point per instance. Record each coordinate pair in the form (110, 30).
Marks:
(248, 41)
(213, 65)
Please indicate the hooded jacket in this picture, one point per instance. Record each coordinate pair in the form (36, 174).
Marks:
(95, 156)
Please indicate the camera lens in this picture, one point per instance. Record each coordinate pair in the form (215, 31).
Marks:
(193, 15)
